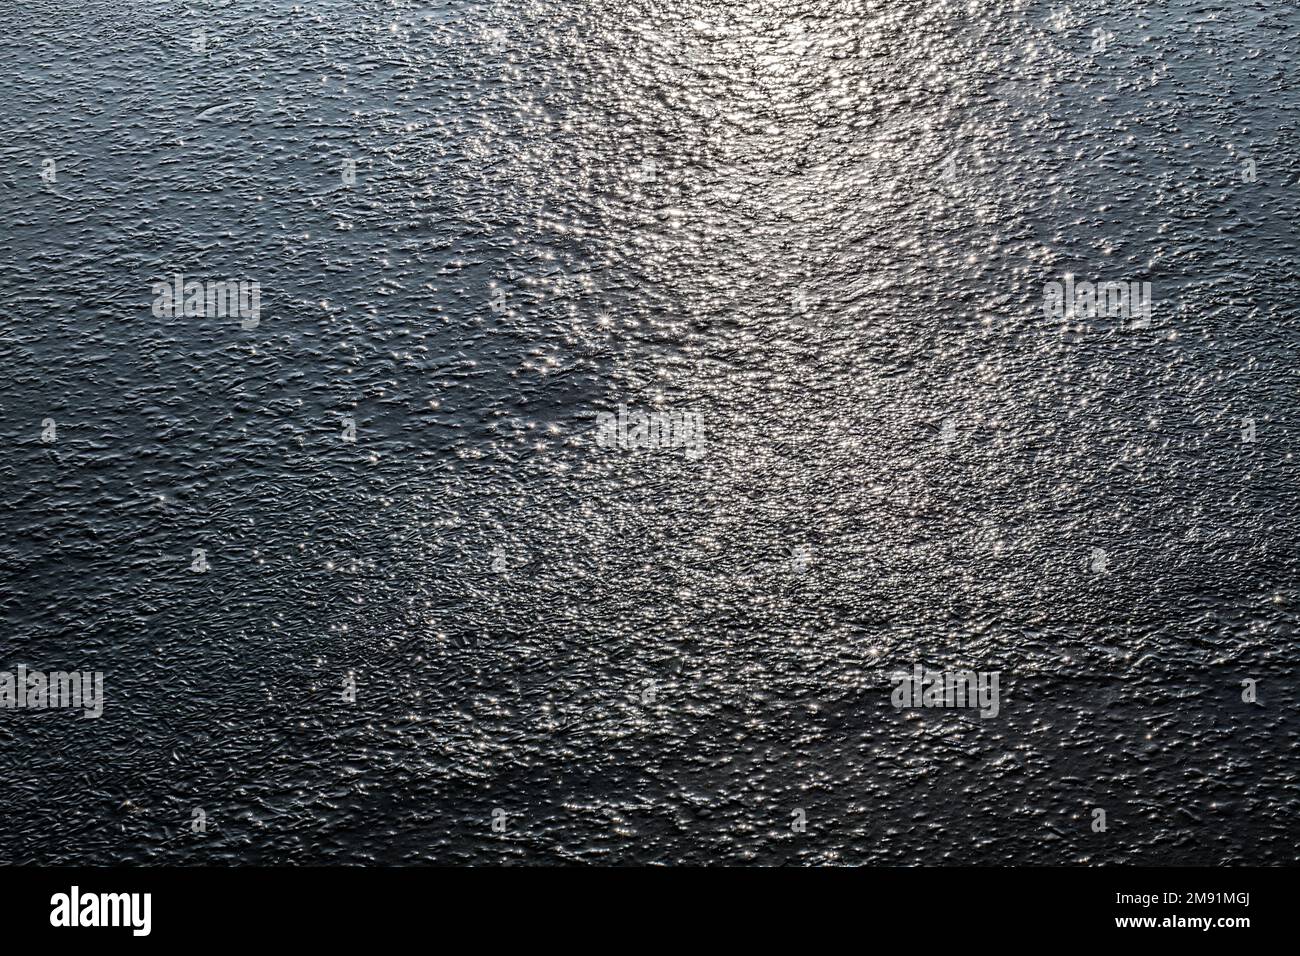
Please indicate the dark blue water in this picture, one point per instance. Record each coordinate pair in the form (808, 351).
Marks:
(825, 229)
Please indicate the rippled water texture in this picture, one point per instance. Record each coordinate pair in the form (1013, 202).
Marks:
(825, 228)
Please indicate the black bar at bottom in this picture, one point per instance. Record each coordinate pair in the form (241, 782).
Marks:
(639, 906)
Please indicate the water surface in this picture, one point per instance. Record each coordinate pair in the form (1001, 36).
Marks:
(823, 227)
